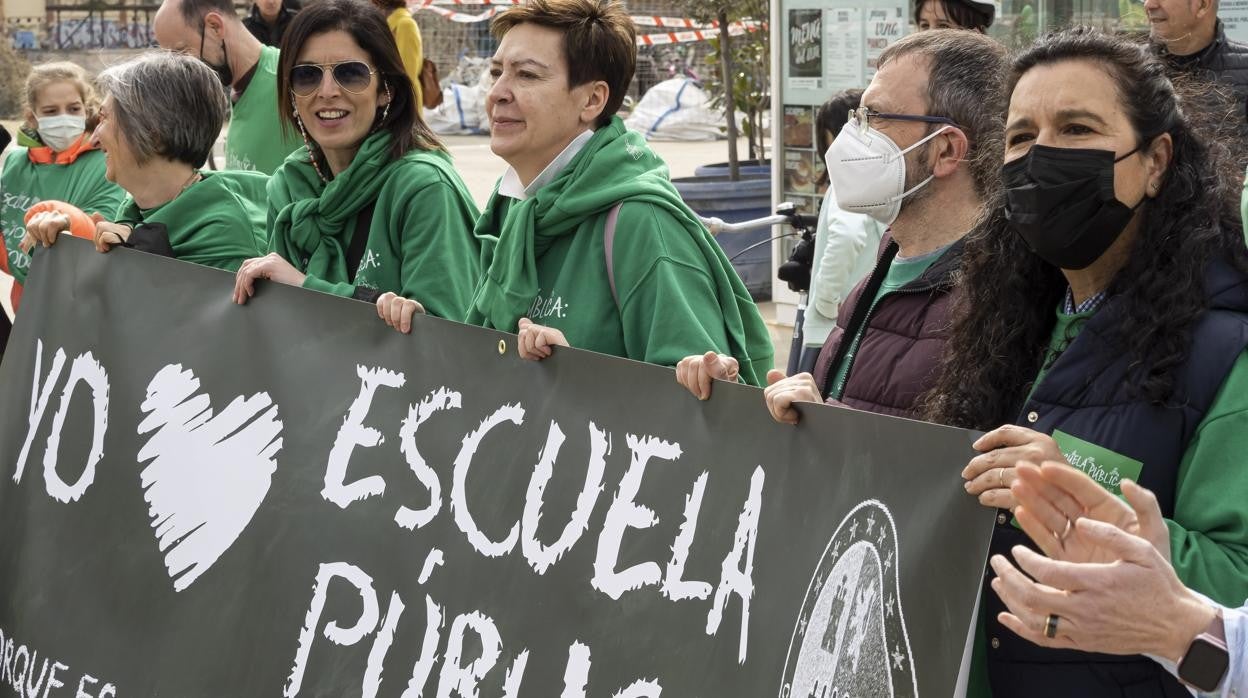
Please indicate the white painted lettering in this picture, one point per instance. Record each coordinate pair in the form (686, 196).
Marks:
(541, 557)
(737, 573)
(674, 586)
(459, 497)
(353, 433)
(440, 399)
(39, 395)
(87, 370)
(462, 679)
(381, 646)
(624, 514)
(428, 650)
(335, 633)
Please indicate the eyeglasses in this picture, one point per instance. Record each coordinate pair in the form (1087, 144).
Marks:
(352, 76)
(862, 116)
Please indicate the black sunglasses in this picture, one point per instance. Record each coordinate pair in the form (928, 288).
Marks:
(352, 76)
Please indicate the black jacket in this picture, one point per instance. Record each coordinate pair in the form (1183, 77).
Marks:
(271, 35)
(1223, 61)
(1090, 397)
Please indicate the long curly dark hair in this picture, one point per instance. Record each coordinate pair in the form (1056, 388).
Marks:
(1004, 316)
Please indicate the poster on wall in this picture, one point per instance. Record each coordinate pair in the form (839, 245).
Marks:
(843, 41)
(1234, 16)
(843, 50)
(805, 49)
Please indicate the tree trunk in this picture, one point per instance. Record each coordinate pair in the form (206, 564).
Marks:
(730, 111)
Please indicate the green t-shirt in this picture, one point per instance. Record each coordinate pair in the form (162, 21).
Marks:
(665, 290)
(218, 221)
(24, 184)
(900, 273)
(1209, 530)
(256, 139)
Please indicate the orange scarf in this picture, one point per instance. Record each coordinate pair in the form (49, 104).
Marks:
(43, 155)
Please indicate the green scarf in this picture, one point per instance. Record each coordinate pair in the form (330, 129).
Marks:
(314, 220)
(615, 165)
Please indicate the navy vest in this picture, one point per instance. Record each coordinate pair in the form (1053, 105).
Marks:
(1088, 396)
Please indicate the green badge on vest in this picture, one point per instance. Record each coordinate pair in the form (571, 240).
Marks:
(1109, 469)
(1104, 466)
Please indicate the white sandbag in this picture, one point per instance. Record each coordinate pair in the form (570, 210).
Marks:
(462, 111)
(677, 110)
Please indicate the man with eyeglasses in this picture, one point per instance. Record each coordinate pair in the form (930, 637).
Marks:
(211, 31)
(919, 156)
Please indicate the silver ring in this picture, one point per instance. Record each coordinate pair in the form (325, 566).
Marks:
(1050, 626)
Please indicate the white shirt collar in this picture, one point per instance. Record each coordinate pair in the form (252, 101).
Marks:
(511, 186)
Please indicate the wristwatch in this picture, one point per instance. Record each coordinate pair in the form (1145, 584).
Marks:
(1206, 661)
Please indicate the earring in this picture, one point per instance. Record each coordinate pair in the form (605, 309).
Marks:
(311, 146)
(386, 110)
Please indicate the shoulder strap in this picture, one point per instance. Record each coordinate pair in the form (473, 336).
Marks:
(608, 246)
(359, 240)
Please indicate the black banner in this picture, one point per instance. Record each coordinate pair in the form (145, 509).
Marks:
(289, 498)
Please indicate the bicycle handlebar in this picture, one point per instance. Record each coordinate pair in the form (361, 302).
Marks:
(717, 225)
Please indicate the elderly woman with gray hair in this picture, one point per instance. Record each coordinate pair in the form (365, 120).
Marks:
(161, 115)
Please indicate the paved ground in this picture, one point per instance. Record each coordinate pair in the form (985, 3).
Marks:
(480, 168)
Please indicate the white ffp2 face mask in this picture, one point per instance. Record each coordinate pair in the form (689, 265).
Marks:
(60, 131)
(868, 172)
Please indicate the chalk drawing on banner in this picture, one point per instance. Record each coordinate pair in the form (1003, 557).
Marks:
(208, 474)
(850, 639)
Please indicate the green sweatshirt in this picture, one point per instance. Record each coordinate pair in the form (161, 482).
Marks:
(678, 295)
(218, 221)
(1209, 531)
(24, 184)
(256, 139)
(420, 241)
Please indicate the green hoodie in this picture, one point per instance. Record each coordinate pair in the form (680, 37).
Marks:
(217, 221)
(678, 294)
(24, 184)
(420, 242)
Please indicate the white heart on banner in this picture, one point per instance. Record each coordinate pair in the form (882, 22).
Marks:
(208, 475)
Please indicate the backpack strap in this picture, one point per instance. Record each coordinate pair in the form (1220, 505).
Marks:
(608, 246)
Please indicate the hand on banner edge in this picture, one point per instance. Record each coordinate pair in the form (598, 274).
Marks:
(397, 311)
(536, 342)
(698, 372)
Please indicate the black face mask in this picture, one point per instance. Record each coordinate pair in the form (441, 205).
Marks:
(223, 71)
(1061, 202)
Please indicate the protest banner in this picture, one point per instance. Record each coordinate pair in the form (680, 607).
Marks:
(290, 498)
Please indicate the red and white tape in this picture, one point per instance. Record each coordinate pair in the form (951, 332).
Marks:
(696, 31)
(734, 29)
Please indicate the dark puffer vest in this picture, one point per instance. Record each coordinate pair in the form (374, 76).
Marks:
(906, 333)
(1223, 61)
(1087, 395)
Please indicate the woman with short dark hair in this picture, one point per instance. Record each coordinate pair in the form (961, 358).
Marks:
(1104, 320)
(372, 203)
(595, 249)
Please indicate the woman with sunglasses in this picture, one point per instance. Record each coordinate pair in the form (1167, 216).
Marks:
(371, 204)
(162, 113)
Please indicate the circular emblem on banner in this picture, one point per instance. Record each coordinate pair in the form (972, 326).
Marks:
(850, 638)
